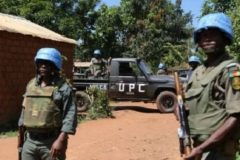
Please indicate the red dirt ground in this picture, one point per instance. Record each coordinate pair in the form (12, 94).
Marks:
(138, 132)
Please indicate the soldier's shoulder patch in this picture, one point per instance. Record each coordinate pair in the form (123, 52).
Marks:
(234, 74)
(233, 70)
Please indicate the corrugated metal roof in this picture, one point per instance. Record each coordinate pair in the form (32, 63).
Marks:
(82, 64)
(21, 25)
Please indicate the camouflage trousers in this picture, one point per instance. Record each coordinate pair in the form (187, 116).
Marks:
(39, 149)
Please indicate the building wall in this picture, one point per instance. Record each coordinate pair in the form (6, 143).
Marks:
(17, 67)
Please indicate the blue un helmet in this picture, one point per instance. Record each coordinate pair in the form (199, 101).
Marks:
(49, 54)
(161, 66)
(215, 20)
(194, 59)
(97, 52)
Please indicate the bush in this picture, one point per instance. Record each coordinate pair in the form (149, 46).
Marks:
(238, 155)
(100, 105)
(9, 129)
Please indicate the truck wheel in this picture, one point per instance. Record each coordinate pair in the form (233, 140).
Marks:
(166, 102)
(82, 101)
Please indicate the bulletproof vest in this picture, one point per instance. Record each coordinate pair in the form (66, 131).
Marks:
(161, 72)
(97, 64)
(40, 110)
(205, 116)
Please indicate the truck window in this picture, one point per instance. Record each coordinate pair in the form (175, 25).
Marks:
(125, 69)
(146, 69)
(136, 69)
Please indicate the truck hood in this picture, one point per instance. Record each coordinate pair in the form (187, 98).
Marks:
(161, 78)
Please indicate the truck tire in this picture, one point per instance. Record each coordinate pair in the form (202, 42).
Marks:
(166, 102)
(82, 101)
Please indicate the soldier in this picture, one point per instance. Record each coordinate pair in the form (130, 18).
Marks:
(98, 64)
(213, 93)
(162, 69)
(194, 62)
(49, 111)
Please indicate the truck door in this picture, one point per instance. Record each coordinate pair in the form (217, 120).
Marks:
(127, 82)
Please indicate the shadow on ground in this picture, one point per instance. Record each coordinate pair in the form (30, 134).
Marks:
(135, 108)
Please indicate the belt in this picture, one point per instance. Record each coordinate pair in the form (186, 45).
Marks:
(41, 136)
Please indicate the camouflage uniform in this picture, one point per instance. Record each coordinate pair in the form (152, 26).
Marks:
(161, 72)
(212, 95)
(98, 66)
(44, 124)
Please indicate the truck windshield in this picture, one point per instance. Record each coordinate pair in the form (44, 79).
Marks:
(143, 65)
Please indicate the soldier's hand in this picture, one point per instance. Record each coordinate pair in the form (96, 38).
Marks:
(56, 149)
(59, 146)
(195, 154)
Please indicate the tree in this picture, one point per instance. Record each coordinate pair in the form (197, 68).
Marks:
(231, 8)
(72, 18)
(87, 16)
(143, 28)
(151, 29)
(109, 31)
(10, 6)
(234, 13)
(211, 6)
(158, 30)
(55, 15)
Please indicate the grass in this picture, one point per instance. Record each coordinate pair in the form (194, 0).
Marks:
(8, 134)
(8, 129)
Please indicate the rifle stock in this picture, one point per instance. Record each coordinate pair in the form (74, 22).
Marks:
(183, 131)
(21, 133)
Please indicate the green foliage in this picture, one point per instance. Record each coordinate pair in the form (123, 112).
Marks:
(137, 28)
(108, 28)
(232, 8)
(140, 28)
(234, 13)
(87, 16)
(154, 26)
(175, 54)
(9, 6)
(211, 6)
(237, 156)
(81, 118)
(100, 107)
(11, 133)
(72, 18)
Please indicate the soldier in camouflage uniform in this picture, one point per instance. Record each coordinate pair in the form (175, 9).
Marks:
(98, 64)
(213, 93)
(49, 111)
(162, 69)
(194, 62)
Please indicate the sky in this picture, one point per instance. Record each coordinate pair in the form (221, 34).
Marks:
(188, 5)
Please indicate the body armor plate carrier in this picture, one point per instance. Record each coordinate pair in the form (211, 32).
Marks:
(40, 110)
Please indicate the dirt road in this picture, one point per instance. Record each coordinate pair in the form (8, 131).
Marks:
(138, 132)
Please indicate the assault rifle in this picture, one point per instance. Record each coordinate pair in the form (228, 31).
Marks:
(21, 133)
(183, 130)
